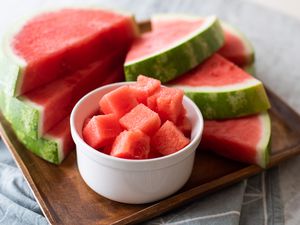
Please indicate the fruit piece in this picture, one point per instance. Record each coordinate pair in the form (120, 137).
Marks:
(237, 48)
(132, 144)
(119, 101)
(174, 49)
(184, 125)
(167, 102)
(154, 154)
(244, 139)
(56, 43)
(222, 90)
(141, 118)
(86, 121)
(250, 69)
(53, 147)
(144, 87)
(101, 130)
(168, 139)
(37, 111)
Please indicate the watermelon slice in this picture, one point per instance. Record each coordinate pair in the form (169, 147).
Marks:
(48, 147)
(223, 90)
(174, 49)
(56, 43)
(38, 111)
(244, 139)
(237, 48)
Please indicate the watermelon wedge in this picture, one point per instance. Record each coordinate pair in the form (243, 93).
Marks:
(223, 90)
(175, 48)
(21, 117)
(53, 147)
(40, 110)
(53, 44)
(237, 48)
(246, 139)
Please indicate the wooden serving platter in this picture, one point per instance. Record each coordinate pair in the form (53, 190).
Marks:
(66, 199)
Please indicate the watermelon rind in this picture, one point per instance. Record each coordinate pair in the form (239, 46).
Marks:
(25, 118)
(264, 146)
(12, 66)
(185, 54)
(250, 69)
(249, 50)
(229, 101)
(48, 148)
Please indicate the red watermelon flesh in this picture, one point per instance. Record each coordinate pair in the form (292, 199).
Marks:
(64, 93)
(56, 43)
(148, 43)
(132, 144)
(141, 118)
(118, 102)
(215, 71)
(144, 87)
(101, 130)
(167, 102)
(168, 139)
(243, 139)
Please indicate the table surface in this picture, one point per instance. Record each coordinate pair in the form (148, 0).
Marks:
(276, 43)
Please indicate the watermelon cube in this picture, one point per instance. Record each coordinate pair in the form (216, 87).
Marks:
(118, 102)
(168, 139)
(185, 125)
(101, 130)
(144, 87)
(133, 144)
(167, 102)
(141, 118)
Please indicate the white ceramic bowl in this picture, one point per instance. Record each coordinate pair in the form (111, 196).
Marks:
(132, 181)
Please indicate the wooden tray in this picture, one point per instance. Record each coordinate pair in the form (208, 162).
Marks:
(66, 199)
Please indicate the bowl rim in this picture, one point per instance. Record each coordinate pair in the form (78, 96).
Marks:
(77, 138)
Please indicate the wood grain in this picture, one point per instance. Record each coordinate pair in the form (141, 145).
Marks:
(66, 199)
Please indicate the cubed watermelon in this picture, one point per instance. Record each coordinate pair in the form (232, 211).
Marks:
(167, 102)
(119, 101)
(133, 144)
(144, 87)
(154, 154)
(168, 139)
(185, 125)
(141, 118)
(101, 130)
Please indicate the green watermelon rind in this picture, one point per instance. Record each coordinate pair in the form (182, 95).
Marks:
(229, 101)
(48, 148)
(182, 56)
(246, 43)
(250, 69)
(264, 146)
(13, 67)
(26, 116)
